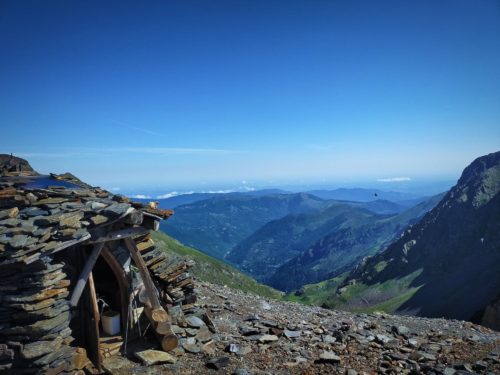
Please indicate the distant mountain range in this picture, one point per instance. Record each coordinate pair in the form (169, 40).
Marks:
(188, 198)
(218, 224)
(448, 264)
(345, 194)
(268, 235)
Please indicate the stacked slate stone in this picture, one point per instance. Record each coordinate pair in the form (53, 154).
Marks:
(35, 333)
(37, 222)
(171, 274)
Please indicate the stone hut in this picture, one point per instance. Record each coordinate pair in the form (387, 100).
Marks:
(80, 276)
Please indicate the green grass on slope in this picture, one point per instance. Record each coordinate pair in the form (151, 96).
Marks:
(316, 294)
(391, 305)
(387, 296)
(212, 270)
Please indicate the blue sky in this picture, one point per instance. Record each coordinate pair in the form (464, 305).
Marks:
(186, 93)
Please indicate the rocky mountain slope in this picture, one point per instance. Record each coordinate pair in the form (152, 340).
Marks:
(446, 265)
(257, 336)
(300, 249)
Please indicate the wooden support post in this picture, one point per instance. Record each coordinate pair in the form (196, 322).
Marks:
(158, 313)
(84, 276)
(93, 299)
(95, 317)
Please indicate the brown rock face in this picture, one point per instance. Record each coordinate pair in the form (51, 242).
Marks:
(12, 165)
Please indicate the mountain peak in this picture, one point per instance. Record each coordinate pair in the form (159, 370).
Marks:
(480, 181)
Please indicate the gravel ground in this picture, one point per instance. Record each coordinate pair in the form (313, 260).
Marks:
(258, 336)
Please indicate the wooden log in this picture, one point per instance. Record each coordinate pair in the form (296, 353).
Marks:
(162, 328)
(84, 276)
(169, 342)
(143, 246)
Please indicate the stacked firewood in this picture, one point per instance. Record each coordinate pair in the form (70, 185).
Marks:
(171, 274)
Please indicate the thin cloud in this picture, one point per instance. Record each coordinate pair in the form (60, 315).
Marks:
(99, 152)
(167, 195)
(133, 127)
(394, 179)
(54, 154)
(141, 196)
(170, 150)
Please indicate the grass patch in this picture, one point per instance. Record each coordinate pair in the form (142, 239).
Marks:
(380, 266)
(212, 270)
(316, 294)
(359, 297)
(390, 305)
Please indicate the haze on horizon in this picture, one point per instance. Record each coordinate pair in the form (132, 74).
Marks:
(129, 94)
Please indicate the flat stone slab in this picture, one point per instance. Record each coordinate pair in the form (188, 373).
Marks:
(292, 334)
(329, 357)
(194, 321)
(155, 357)
(118, 365)
(268, 338)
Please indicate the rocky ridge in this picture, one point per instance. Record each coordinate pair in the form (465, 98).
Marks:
(261, 336)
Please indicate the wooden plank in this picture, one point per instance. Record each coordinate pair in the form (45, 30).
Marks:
(120, 235)
(145, 245)
(70, 243)
(84, 276)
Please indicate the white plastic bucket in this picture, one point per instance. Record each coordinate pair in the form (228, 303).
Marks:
(110, 322)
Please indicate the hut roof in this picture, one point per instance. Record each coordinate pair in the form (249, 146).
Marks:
(45, 214)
